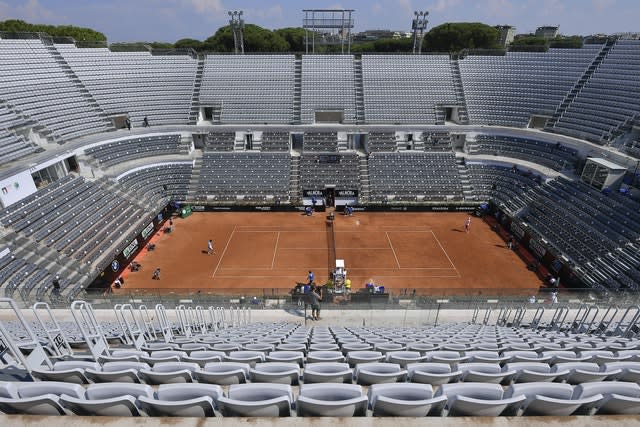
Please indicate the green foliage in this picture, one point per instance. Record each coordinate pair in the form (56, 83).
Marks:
(573, 42)
(256, 39)
(188, 44)
(78, 33)
(293, 36)
(456, 36)
(529, 44)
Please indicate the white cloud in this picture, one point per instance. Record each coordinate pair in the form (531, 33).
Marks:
(31, 11)
(207, 6)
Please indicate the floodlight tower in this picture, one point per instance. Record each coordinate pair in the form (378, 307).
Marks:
(418, 25)
(237, 27)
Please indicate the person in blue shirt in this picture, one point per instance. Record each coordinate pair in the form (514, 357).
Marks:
(311, 277)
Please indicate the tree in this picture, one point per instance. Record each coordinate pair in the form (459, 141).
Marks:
(573, 42)
(293, 36)
(188, 44)
(256, 39)
(77, 33)
(456, 36)
(529, 43)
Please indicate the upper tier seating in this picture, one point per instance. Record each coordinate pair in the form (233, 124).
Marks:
(166, 181)
(506, 90)
(59, 105)
(250, 88)
(137, 84)
(114, 153)
(328, 84)
(407, 88)
(609, 98)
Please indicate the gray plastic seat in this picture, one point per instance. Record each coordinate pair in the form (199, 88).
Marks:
(69, 371)
(327, 372)
(405, 357)
(324, 346)
(546, 399)
(582, 372)
(182, 400)
(404, 400)
(477, 399)
(432, 373)
(446, 356)
(385, 348)
(355, 346)
(168, 373)
(562, 356)
(245, 356)
(286, 356)
(108, 399)
(325, 356)
(226, 347)
(223, 373)
(377, 372)
(628, 371)
(202, 357)
(124, 372)
(526, 372)
(516, 356)
(39, 398)
(275, 372)
(484, 373)
(259, 346)
(485, 356)
(614, 397)
(331, 400)
(364, 356)
(293, 346)
(257, 400)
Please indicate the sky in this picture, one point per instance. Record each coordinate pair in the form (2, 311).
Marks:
(171, 20)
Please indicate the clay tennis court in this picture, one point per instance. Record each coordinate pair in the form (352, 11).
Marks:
(267, 253)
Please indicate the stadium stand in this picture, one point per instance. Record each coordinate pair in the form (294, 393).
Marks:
(414, 176)
(320, 141)
(12, 145)
(114, 153)
(554, 156)
(328, 84)
(137, 84)
(382, 141)
(607, 103)
(507, 90)
(316, 173)
(62, 109)
(168, 181)
(237, 176)
(407, 89)
(249, 88)
(275, 141)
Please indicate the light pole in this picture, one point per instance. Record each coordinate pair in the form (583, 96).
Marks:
(237, 27)
(418, 25)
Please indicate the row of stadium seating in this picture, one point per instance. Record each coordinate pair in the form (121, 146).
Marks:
(503, 90)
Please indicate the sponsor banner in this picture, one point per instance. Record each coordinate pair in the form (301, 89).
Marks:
(311, 193)
(346, 193)
(537, 248)
(129, 250)
(148, 230)
(328, 158)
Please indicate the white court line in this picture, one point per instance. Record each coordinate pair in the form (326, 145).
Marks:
(446, 254)
(275, 251)
(223, 252)
(233, 276)
(350, 268)
(392, 249)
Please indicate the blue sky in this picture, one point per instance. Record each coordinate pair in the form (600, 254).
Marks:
(170, 20)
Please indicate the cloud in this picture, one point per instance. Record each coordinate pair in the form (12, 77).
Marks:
(207, 6)
(30, 10)
(443, 5)
(601, 5)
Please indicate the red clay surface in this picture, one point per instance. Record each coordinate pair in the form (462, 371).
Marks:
(266, 253)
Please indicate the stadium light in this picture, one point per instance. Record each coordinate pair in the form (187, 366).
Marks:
(418, 25)
(237, 27)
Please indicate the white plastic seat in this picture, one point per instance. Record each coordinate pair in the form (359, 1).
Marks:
(364, 356)
(405, 357)
(446, 356)
(432, 373)
(182, 400)
(286, 356)
(245, 356)
(202, 357)
(275, 372)
(547, 399)
(324, 356)
(614, 397)
(327, 372)
(484, 373)
(526, 372)
(39, 398)
(223, 373)
(108, 399)
(124, 372)
(71, 371)
(257, 400)
(168, 372)
(582, 372)
(476, 399)
(377, 372)
(404, 400)
(331, 400)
